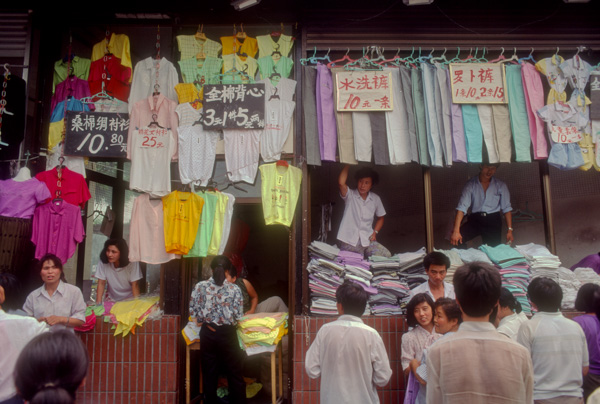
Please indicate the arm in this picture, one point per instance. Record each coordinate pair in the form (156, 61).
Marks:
(377, 228)
(382, 372)
(253, 296)
(585, 370)
(100, 291)
(135, 288)
(434, 391)
(342, 181)
(66, 321)
(312, 364)
(456, 238)
(509, 232)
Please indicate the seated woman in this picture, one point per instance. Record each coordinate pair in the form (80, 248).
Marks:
(51, 368)
(587, 298)
(273, 304)
(419, 315)
(115, 270)
(56, 302)
(357, 233)
(510, 314)
(217, 305)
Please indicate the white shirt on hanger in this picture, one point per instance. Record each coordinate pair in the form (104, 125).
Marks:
(144, 79)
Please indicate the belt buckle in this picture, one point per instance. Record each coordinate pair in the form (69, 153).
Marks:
(483, 214)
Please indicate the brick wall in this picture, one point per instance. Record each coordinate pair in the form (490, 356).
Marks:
(306, 390)
(140, 368)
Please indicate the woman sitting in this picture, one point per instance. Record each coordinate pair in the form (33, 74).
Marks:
(217, 305)
(510, 315)
(115, 270)
(56, 302)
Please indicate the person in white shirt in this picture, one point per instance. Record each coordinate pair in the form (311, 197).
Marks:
(510, 315)
(115, 270)
(557, 346)
(15, 332)
(348, 355)
(436, 267)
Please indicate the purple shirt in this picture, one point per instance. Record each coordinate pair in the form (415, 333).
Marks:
(591, 261)
(72, 86)
(57, 228)
(591, 329)
(19, 199)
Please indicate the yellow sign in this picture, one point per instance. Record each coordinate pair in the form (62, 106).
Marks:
(478, 83)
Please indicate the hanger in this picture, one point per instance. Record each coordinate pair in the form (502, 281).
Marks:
(500, 57)
(304, 61)
(393, 60)
(200, 120)
(277, 52)
(282, 163)
(346, 58)
(456, 58)
(241, 34)
(441, 58)
(468, 58)
(274, 95)
(514, 58)
(156, 89)
(380, 56)
(364, 63)
(482, 59)
(530, 57)
(232, 184)
(275, 76)
(200, 35)
(277, 34)
(154, 122)
(315, 60)
(423, 59)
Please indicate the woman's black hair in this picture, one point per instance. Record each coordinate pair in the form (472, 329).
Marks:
(414, 302)
(219, 264)
(51, 368)
(57, 263)
(367, 172)
(450, 307)
(123, 251)
(585, 298)
(12, 289)
(507, 299)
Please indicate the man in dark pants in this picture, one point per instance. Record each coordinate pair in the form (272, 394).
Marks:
(489, 199)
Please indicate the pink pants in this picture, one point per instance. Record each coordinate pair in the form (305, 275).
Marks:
(534, 99)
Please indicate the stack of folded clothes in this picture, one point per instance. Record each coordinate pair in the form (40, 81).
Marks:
(260, 332)
(541, 261)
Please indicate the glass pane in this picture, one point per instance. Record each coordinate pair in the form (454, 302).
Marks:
(126, 170)
(104, 167)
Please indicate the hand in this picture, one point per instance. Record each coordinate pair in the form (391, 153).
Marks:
(509, 237)
(373, 236)
(456, 238)
(413, 365)
(420, 380)
(53, 320)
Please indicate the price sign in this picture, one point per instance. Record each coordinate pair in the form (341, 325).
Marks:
(362, 90)
(96, 134)
(478, 83)
(234, 106)
(565, 134)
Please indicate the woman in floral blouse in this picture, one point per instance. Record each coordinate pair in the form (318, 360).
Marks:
(217, 305)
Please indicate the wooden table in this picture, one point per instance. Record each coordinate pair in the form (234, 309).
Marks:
(276, 374)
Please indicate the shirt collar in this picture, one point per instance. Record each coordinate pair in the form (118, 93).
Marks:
(150, 62)
(548, 314)
(477, 326)
(369, 197)
(57, 209)
(60, 289)
(159, 100)
(349, 317)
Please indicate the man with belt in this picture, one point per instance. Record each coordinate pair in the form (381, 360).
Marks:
(489, 199)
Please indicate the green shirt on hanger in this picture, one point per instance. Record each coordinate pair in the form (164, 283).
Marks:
(205, 230)
(200, 70)
(80, 66)
(268, 66)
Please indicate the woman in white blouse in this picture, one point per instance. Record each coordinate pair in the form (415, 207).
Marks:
(115, 271)
(510, 314)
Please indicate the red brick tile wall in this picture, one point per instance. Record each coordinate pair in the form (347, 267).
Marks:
(140, 368)
(306, 390)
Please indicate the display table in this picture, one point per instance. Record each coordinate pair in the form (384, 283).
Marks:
(276, 374)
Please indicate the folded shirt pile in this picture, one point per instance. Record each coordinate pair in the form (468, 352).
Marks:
(261, 332)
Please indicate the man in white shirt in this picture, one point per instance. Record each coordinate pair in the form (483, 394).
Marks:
(557, 345)
(348, 355)
(15, 332)
(477, 364)
(436, 267)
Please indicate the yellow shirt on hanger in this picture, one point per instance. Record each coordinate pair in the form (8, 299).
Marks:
(181, 213)
(279, 191)
(118, 46)
(218, 224)
(232, 44)
(187, 92)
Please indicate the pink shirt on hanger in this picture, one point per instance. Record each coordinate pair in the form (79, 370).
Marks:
(73, 188)
(19, 199)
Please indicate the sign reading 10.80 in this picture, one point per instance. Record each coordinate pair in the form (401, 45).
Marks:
(96, 134)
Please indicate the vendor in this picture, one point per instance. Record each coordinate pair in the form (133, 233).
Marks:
(115, 269)
(217, 306)
(56, 303)
(357, 233)
(273, 304)
(489, 199)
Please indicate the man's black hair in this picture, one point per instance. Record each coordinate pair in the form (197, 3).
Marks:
(367, 172)
(477, 287)
(352, 297)
(436, 258)
(546, 294)
(585, 297)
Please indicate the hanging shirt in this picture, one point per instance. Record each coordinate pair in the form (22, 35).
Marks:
(57, 229)
(118, 45)
(111, 74)
(280, 187)
(144, 80)
(151, 148)
(205, 229)
(267, 66)
(242, 64)
(118, 280)
(267, 44)
(71, 87)
(146, 232)
(73, 188)
(197, 151)
(397, 123)
(199, 71)
(190, 46)
(218, 224)
(73, 104)
(279, 109)
(241, 154)
(550, 67)
(182, 211)
(233, 44)
(188, 93)
(106, 105)
(227, 221)
(80, 67)
(19, 199)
